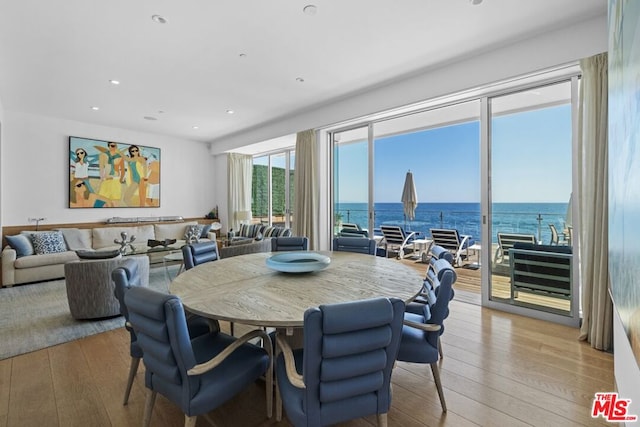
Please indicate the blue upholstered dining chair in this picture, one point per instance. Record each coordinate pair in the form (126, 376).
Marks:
(124, 277)
(279, 244)
(197, 374)
(421, 332)
(344, 371)
(360, 245)
(199, 253)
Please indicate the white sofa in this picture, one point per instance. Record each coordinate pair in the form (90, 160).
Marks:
(34, 268)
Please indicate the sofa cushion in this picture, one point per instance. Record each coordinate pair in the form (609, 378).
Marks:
(172, 231)
(103, 237)
(49, 242)
(21, 244)
(277, 232)
(77, 238)
(250, 230)
(87, 254)
(46, 259)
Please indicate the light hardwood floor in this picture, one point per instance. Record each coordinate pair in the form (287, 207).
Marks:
(498, 370)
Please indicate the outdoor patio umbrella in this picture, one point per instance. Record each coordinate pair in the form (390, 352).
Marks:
(569, 216)
(409, 198)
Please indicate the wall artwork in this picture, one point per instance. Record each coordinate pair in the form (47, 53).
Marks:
(624, 165)
(108, 174)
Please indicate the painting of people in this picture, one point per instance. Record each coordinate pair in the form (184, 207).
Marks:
(109, 174)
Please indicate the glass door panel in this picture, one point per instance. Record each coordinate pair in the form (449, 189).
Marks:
(441, 148)
(530, 187)
(260, 190)
(291, 187)
(279, 189)
(351, 178)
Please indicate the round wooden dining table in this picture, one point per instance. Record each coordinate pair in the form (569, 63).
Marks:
(243, 289)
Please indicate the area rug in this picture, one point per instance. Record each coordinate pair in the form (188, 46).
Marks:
(36, 316)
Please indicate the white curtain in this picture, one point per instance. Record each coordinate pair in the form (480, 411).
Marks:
(597, 309)
(305, 208)
(240, 175)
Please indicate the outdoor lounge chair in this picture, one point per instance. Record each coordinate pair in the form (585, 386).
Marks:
(453, 241)
(506, 242)
(396, 239)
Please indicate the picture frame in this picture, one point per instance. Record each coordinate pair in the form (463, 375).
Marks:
(109, 174)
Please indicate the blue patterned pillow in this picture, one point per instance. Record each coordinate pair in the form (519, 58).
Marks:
(48, 242)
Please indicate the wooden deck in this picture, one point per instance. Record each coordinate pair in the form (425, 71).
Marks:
(468, 289)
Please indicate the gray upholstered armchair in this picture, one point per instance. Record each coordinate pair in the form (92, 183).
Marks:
(346, 364)
(90, 290)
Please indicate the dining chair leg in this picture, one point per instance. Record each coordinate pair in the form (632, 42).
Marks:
(190, 421)
(148, 407)
(278, 404)
(133, 369)
(382, 420)
(436, 379)
(266, 343)
(440, 349)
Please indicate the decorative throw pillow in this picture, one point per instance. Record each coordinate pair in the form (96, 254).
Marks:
(274, 232)
(196, 230)
(84, 254)
(22, 245)
(205, 230)
(48, 242)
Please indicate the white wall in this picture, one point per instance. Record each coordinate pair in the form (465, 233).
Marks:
(35, 172)
(626, 369)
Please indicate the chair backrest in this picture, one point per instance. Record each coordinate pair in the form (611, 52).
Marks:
(438, 252)
(393, 234)
(554, 235)
(349, 352)
(160, 324)
(199, 253)
(446, 238)
(350, 226)
(125, 276)
(507, 240)
(349, 232)
(354, 244)
(279, 244)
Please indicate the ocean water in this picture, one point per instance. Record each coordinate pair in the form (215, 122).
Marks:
(465, 217)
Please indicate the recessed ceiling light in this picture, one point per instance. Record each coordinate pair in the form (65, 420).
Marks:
(94, 108)
(160, 111)
(299, 79)
(310, 9)
(243, 55)
(114, 82)
(230, 111)
(149, 118)
(195, 127)
(475, 2)
(159, 19)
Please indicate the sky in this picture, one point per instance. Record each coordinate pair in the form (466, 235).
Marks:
(531, 161)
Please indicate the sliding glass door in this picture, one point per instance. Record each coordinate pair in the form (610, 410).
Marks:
(272, 188)
(530, 188)
(351, 189)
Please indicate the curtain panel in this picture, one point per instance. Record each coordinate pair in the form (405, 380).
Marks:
(305, 209)
(597, 308)
(240, 176)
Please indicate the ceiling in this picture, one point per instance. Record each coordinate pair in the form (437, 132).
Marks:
(248, 56)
